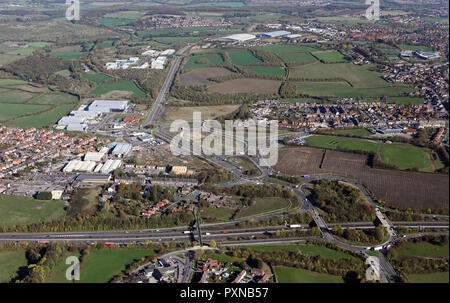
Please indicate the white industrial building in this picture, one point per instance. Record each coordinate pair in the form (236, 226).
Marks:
(159, 62)
(121, 64)
(168, 52)
(151, 53)
(108, 106)
(77, 165)
(275, 34)
(77, 127)
(69, 120)
(238, 37)
(93, 156)
(121, 149)
(108, 167)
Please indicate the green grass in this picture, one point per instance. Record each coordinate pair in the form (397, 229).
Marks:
(10, 262)
(11, 82)
(66, 55)
(15, 96)
(10, 111)
(103, 264)
(297, 57)
(222, 214)
(289, 48)
(122, 86)
(174, 40)
(43, 119)
(402, 156)
(264, 205)
(194, 62)
(124, 15)
(423, 249)
(96, 77)
(304, 249)
(405, 100)
(112, 21)
(55, 99)
(330, 56)
(267, 70)
(232, 4)
(354, 132)
(438, 277)
(415, 47)
(15, 210)
(293, 275)
(243, 57)
(58, 274)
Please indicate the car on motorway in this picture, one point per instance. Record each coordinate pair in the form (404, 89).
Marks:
(224, 232)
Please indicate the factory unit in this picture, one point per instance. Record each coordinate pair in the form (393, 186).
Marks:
(94, 156)
(275, 34)
(77, 165)
(108, 106)
(121, 149)
(237, 38)
(109, 166)
(159, 62)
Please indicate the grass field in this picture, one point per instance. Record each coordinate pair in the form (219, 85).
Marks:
(120, 86)
(101, 265)
(208, 112)
(55, 99)
(259, 86)
(330, 56)
(43, 119)
(402, 156)
(113, 21)
(96, 77)
(10, 262)
(201, 61)
(354, 132)
(15, 210)
(243, 57)
(289, 48)
(10, 111)
(244, 165)
(423, 249)
(405, 100)
(305, 249)
(439, 277)
(222, 214)
(264, 205)
(293, 275)
(66, 55)
(58, 274)
(267, 70)
(415, 47)
(297, 57)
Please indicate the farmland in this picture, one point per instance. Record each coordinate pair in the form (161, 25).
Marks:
(42, 119)
(243, 57)
(293, 275)
(423, 249)
(96, 77)
(289, 48)
(438, 277)
(208, 112)
(127, 86)
(402, 156)
(259, 86)
(396, 188)
(330, 56)
(267, 70)
(201, 76)
(102, 264)
(297, 57)
(200, 61)
(16, 210)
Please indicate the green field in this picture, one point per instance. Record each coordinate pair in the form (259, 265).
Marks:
(10, 111)
(43, 119)
(243, 57)
(297, 57)
(289, 48)
(66, 55)
(293, 275)
(402, 156)
(353, 132)
(96, 77)
(121, 86)
(201, 61)
(267, 70)
(10, 262)
(174, 40)
(405, 100)
(305, 249)
(103, 264)
(264, 205)
(124, 15)
(415, 47)
(438, 277)
(11, 95)
(55, 99)
(232, 4)
(423, 249)
(113, 21)
(58, 274)
(15, 210)
(222, 214)
(330, 56)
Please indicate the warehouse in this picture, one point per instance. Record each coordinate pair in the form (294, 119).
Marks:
(93, 156)
(159, 62)
(108, 106)
(76, 127)
(91, 178)
(238, 37)
(77, 165)
(275, 34)
(110, 166)
(122, 149)
(68, 120)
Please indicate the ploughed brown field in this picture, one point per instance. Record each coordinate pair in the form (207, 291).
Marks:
(200, 76)
(258, 86)
(397, 188)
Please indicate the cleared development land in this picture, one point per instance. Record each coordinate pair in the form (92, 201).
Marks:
(126, 86)
(200, 76)
(396, 188)
(294, 275)
(259, 86)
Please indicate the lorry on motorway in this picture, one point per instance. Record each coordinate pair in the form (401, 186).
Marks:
(186, 232)
(295, 225)
(378, 247)
(207, 234)
(306, 176)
